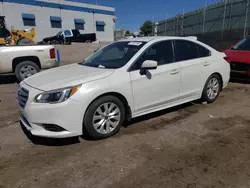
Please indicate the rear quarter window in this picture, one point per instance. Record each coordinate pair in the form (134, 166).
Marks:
(203, 52)
(185, 50)
(188, 50)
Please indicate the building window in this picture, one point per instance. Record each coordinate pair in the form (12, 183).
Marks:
(29, 19)
(100, 26)
(79, 24)
(56, 22)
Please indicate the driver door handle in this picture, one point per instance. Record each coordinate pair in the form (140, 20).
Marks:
(175, 71)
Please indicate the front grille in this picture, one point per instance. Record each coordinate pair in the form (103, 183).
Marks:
(22, 97)
(238, 66)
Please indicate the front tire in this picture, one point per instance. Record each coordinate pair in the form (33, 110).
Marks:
(26, 69)
(212, 89)
(104, 117)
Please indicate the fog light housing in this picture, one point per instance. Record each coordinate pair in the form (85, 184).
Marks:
(53, 127)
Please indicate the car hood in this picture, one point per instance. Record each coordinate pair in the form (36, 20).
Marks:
(66, 76)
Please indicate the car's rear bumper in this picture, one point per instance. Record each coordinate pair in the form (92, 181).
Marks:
(242, 75)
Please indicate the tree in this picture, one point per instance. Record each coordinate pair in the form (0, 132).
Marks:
(147, 28)
(127, 33)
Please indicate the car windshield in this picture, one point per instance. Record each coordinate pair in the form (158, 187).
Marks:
(244, 44)
(114, 55)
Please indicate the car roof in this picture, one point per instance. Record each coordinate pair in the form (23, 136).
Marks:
(147, 39)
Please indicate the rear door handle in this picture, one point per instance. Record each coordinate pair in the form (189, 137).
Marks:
(206, 64)
(175, 71)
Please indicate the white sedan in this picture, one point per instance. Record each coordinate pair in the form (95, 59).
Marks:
(121, 81)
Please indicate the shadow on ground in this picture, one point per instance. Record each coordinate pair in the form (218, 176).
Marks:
(137, 125)
(161, 119)
(8, 79)
(234, 80)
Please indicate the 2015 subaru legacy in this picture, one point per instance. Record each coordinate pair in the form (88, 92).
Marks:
(121, 81)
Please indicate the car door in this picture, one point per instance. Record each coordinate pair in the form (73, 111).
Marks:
(194, 59)
(158, 87)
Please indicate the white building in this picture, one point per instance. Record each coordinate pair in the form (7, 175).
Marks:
(48, 17)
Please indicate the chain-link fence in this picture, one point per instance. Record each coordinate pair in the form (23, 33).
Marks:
(223, 22)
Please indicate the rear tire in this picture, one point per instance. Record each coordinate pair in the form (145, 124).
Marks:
(26, 69)
(99, 123)
(211, 89)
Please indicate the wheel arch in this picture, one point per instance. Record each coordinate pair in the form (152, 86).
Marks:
(128, 112)
(18, 60)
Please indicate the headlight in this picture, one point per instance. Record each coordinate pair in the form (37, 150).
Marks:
(56, 96)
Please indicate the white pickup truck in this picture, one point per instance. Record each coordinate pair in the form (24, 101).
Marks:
(25, 61)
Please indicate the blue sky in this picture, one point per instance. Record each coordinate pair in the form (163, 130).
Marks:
(132, 13)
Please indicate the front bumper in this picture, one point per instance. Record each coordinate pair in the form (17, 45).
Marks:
(68, 115)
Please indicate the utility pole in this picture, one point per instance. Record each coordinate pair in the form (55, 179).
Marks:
(182, 23)
(177, 25)
(230, 15)
(245, 26)
(204, 18)
(153, 28)
(224, 17)
(166, 17)
(174, 25)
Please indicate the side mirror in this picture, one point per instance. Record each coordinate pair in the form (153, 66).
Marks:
(148, 65)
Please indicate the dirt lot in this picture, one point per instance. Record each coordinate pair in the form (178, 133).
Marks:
(193, 145)
(190, 146)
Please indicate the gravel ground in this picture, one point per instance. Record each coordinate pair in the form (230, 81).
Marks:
(192, 145)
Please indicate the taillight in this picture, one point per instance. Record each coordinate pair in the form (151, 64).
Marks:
(52, 53)
(227, 59)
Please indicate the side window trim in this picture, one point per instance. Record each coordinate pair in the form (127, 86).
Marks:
(130, 69)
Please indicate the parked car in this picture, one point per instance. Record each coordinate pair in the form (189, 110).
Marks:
(239, 58)
(25, 61)
(69, 36)
(123, 80)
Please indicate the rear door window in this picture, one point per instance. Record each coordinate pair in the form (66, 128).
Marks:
(185, 50)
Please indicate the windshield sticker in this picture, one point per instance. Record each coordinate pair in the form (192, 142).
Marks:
(101, 66)
(135, 43)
